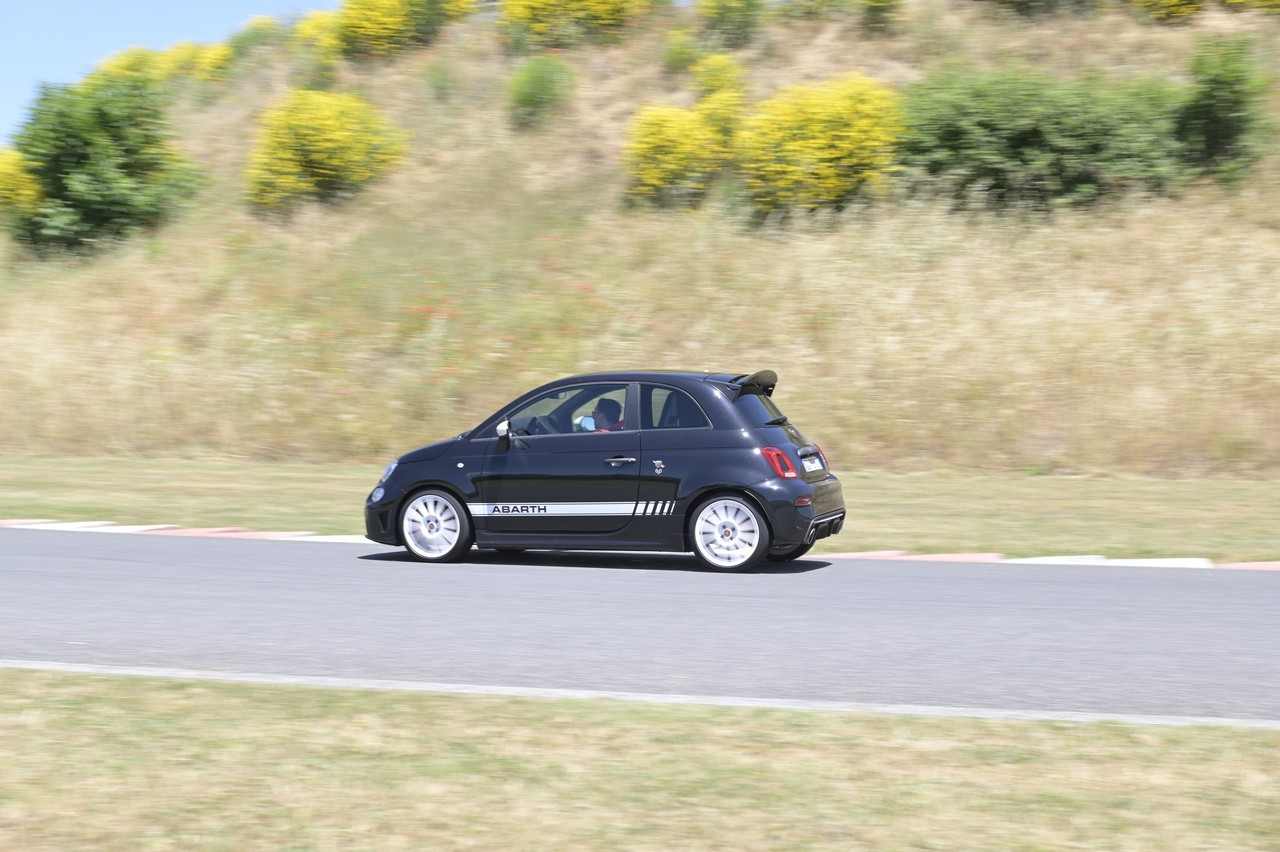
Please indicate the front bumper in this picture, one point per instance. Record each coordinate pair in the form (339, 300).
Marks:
(380, 522)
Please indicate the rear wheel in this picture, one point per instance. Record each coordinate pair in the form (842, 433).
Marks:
(434, 527)
(729, 534)
(788, 555)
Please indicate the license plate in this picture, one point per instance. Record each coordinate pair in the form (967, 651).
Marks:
(812, 463)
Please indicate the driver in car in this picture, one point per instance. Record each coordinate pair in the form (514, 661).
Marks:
(607, 415)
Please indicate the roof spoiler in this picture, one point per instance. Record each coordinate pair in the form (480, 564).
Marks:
(762, 382)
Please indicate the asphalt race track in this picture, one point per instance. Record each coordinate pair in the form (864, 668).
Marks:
(1035, 640)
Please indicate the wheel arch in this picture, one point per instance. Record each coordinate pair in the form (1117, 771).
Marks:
(417, 488)
(712, 492)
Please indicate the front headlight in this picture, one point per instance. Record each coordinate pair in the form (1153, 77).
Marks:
(386, 474)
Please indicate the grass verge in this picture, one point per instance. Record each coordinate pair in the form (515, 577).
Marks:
(1224, 520)
(119, 763)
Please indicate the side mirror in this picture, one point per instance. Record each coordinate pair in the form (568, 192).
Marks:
(504, 429)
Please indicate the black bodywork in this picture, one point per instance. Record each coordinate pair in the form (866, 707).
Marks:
(685, 438)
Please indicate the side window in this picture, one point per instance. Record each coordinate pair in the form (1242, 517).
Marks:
(581, 408)
(668, 408)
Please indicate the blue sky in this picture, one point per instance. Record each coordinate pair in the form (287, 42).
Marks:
(59, 41)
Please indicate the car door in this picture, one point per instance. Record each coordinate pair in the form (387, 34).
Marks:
(678, 444)
(556, 473)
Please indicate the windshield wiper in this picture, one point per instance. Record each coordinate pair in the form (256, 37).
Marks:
(777, 421)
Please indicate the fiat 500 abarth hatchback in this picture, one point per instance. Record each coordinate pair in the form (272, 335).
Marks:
(667, 461)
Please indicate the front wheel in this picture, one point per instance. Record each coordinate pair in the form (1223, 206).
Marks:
(434, 527)
(729, 534)
(788, 555)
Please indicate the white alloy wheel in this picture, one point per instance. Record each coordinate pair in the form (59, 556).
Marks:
(729, 534)
(434, 527)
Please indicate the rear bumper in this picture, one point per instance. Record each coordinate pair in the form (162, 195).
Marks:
(824, 526)
(805, 512)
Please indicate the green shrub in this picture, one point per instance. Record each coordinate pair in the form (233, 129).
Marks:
(819, 146)
(671, 156)
(259, 31)
(561, 23)
(100, 155)
(681, 52)
(878, 16)
(319, 145)
(733, 22)
(1011, 138)
(540, 86)
(1031, 8)
(428, 17)
(1215, 124)
(814, 8)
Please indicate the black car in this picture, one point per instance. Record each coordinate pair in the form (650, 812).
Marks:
(702, 462)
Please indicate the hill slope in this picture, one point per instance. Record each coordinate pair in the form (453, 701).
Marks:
(1142, 337)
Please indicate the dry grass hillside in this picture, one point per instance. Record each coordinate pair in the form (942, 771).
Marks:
(1141, 337)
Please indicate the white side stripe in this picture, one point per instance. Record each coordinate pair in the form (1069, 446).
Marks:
(535, 509)
(647, 508)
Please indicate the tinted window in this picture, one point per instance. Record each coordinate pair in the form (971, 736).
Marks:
(573, 409)
(758, 410)
(668, 408)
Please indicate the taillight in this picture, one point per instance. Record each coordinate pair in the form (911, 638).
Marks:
(825, 463)
(779, 462)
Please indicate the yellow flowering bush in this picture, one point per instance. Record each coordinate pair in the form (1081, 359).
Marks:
(719, 81)
(814, 146)
(320, 32)
(19, 191)
(375, 27)
(177, 61)
(212, 62)
(132, 60)
(1272, 6)
(319, 145)
(671, 155)
(553, 23)
(718, 72)
(1170, 11)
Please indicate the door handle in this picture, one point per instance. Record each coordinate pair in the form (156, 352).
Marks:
(618, 461)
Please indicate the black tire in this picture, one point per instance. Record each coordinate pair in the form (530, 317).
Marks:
(789, 555)
(729, 534)
(435, 527)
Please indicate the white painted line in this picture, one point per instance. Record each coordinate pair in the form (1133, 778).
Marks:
(132, 529)
(335, 539)
(1161, 563)
(645, 697)
(1158, 562)
(65, 526)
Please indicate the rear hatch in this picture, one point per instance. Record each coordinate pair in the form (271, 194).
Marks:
(755, 403)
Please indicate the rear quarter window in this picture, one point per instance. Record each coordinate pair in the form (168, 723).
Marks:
(758, 410)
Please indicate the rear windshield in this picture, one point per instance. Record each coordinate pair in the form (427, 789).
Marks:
(759, 410)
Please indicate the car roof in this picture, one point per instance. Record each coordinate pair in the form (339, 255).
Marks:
(763, 380)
